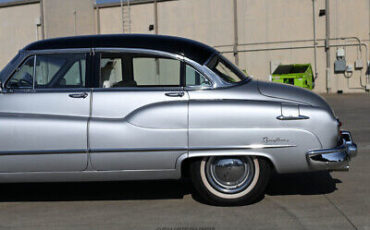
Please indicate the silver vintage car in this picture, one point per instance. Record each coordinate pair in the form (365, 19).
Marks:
(143, 107)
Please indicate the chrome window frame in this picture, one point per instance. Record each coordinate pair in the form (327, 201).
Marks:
(28, 54)
(13, 71)
(200, 68)
(144, 52)
(213, 78)
(222, 82)
(194, 87)
(15, 61)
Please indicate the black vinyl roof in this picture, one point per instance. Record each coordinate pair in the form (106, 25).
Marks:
(191, 49)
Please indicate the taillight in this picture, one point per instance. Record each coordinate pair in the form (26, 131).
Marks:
(339, 123)
(339, 132)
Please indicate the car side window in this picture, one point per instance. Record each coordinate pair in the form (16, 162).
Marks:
(60, 71)
(75, 76)
(194, 78)
(151, 71)
(111, 72)
(23, 76)
(132, 70)
(51, 71)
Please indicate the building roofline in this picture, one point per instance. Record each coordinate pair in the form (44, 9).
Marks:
(18, 3)
(132, 2)
(101, 5)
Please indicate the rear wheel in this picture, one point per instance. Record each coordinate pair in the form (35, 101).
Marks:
(230, 180)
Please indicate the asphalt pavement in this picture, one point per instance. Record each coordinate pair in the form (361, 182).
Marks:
(337, 200)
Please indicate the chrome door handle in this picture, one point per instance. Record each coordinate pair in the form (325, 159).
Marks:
(300, 117)
(175, 94)
(78, 95)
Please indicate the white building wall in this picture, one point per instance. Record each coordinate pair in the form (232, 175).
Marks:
(68, 17)
(17, 29)
(211, 22)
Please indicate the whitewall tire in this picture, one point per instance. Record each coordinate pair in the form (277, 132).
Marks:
(230, 180)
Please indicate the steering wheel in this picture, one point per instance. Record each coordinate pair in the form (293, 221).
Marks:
(24, 82)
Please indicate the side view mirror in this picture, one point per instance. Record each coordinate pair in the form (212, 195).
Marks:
(206, 82)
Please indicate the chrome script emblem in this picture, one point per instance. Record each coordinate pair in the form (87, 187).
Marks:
(274, 140)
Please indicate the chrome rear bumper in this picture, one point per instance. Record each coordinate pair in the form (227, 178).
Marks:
(336, 159)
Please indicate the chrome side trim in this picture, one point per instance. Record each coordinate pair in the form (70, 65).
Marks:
(137, 150)
(205, 148)
(43, 116)
(119, 175)
(300, 117)
(213, 153)
(43, 152)
(241, 147)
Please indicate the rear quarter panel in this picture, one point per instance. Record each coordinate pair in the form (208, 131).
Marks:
(245, 126)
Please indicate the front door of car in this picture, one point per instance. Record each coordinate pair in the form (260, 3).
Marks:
(139, 113)
(43, 115)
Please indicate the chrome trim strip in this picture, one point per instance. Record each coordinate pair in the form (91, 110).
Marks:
(188, 61)
(285, 118)
(135, 89)
(42, 116)
(43, 152)
(134, 170)
(138, 150)
(139, 51)
(90, 175)
(59, 51)
(241, 147)
(228, 153)
(34, 71)
(205, 148)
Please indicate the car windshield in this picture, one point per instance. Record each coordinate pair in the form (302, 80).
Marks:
(226, 70)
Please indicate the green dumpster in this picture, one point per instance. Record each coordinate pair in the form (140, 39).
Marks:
(297, 74)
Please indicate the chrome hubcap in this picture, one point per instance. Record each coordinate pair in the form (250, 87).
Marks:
(229, 174)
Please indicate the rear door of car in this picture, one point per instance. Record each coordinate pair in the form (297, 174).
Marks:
(139, 117)
(44, 110)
